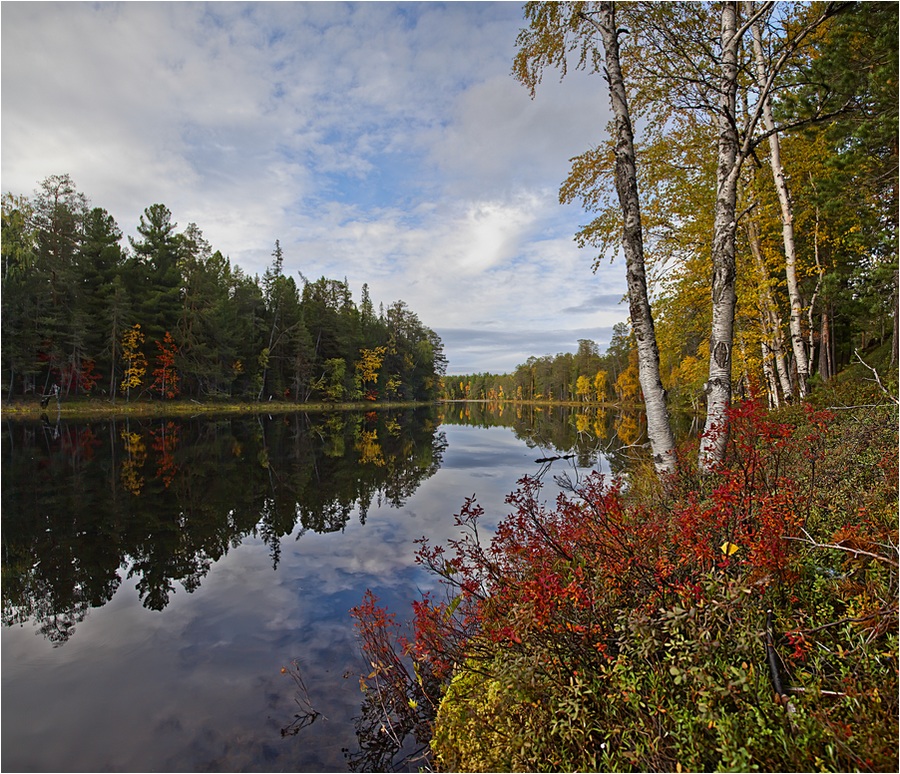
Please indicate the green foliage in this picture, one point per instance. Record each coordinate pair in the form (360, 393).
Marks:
(71, 290)
(335, 373)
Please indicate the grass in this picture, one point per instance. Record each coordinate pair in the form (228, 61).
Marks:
(89, 408)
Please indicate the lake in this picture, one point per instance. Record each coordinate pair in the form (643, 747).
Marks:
(158, 574)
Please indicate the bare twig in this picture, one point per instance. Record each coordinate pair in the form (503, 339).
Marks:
(822, 693)
(877, 377)
(809, 540)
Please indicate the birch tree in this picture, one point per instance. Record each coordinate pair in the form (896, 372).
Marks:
(692, 57)
(659, 428)
(801, 360)
(556, 30)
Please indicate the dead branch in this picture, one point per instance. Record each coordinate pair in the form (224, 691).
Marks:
(809, 540)
(877, 377)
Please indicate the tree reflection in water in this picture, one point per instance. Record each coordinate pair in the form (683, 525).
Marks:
(162, 500)
(555, 430)
(307, 714)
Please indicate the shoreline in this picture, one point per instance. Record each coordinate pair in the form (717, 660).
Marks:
(89, 409)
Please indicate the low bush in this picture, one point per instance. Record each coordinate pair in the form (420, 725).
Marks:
(744, 621)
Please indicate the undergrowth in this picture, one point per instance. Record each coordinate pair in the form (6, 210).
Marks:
(745, 621)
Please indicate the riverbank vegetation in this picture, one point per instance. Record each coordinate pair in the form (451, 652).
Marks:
(744, 621)
(95, 408)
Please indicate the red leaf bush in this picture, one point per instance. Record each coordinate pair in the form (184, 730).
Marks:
(614, 632)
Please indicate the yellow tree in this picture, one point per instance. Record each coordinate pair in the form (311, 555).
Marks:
(600, 386)
(583, 388)
(367, 368)
(135, 360)
(628, 385)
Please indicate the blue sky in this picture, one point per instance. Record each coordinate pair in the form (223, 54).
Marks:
(382, 142)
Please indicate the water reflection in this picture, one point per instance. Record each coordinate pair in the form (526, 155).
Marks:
(560, 431)
(162, 500)
(117, 519)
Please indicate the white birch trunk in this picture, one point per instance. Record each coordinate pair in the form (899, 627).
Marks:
(787, 221)
(718, 388)
(768, 370)
(771, 323)
(659, 427)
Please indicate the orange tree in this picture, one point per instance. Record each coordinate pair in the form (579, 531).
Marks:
(165, 377)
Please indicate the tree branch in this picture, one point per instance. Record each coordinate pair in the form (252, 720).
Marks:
(809, 540)
(877, 377)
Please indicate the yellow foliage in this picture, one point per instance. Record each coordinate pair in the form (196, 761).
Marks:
(370, 449)
(628, 428)
(600, 386)
(369, 363)
(600, 424)
(628, 385)
(582, 423)
(583, 388)
(136, 456)
(479, 726)
(135, 361)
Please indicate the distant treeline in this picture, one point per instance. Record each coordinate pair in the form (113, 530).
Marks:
(170, 316)
(586, 376)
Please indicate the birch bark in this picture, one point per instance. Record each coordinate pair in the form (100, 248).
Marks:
(773, 348)
(724, 298)
(659, 427)
(787, 218)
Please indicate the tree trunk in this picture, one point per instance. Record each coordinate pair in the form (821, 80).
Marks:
(826, 366)
(812, 302)
(659, 427)
(895, 332)
(771, 322)
(768, 371)
(724, 298)
(787, 222)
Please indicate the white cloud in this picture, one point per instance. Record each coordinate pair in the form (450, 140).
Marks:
(383, 142)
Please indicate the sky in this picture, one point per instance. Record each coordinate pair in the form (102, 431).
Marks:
(385, 143)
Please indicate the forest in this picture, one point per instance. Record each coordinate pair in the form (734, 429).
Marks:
(168, 316)
(583, 377)
(815, 240)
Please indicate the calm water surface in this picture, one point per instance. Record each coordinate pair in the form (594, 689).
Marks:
(157, 574)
